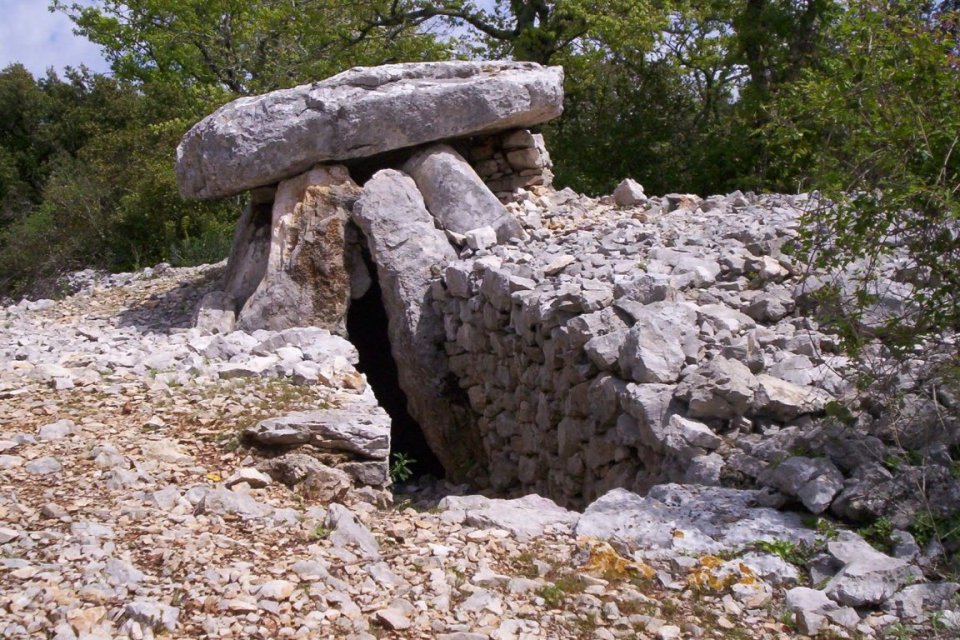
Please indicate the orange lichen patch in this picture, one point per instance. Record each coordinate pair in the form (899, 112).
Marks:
(746, 575)
(677, 533)
(710, 562)
(713, 574)
(604, 560)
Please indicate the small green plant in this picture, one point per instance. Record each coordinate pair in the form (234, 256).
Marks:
(898, 631)
(587, 625)
(401, 467)
(552, 595)
(567, 582)
(840, 413)
(879, 534)
(670, 608)
(793, 552)
(320, 532)
(526, 565)
(459, 577)
(787, 619)
(802, 450)
(893, 463)
(827, 528)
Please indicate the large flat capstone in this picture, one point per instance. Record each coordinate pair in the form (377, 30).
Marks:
(362, 112)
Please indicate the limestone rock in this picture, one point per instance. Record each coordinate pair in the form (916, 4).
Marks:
(349, 532)
(918, 601)
(813, 608)
(629, 193)
(785, 401)
(153, 614)
(250, 250)
(722, 388)
(363, 432)
(525, 517)
(815, 481)
(252, 477)
(227, 502)
(216, 313)
(652, 350)
(455, 194)
(308, 272)
(360, 113)
(868, 576)
(674, 519)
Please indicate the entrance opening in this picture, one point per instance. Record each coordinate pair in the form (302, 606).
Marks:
(367, 328)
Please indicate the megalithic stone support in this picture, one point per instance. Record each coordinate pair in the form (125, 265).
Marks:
(409, 253)
(307, 279)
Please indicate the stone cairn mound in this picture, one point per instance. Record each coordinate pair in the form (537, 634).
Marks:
(589, 351)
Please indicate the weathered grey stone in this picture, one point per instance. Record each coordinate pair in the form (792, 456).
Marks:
(813, 608)
(349, 532)
(604, 350)
(291, 468)
(44, 466)
(693, 433)
(327, 484)
(525, 517)
(251, 477)
(917, 602)
(722, 388)
(455, 194)
(709, 519)
(250, 250)
(216, 313)
(723, 317)
(629, 193)
(410, 253)
(772, 569)
(705, 470)
(226, 502)
(482, 238)
(652, 350)
(360, 113)
(308, 272)
(364, 432)
(153, 614)
(815, 481)
(56, 430)
(868, 577)
(785, 401)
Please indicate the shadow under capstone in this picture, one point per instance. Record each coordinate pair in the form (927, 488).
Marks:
(367, 329)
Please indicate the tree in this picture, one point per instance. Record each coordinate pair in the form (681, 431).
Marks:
(877, 129)
(530, 30)
(24, 107)
(242, 46)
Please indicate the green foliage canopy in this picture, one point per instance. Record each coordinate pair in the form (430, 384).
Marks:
(876, 128)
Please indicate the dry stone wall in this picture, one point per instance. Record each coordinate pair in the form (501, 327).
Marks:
(510, 161)
(631, 347)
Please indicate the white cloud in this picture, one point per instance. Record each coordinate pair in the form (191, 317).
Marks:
(32, 35)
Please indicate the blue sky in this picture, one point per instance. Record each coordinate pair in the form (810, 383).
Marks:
(31, 35)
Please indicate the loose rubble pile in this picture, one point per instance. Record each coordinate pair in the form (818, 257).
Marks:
(110, 353)
(129, 508)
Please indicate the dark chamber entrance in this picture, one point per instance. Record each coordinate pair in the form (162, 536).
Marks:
(367, 328)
